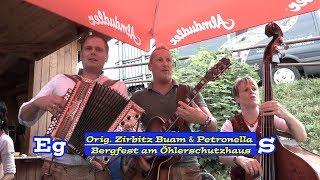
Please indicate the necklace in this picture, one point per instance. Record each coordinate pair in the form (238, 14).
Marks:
(251, 124)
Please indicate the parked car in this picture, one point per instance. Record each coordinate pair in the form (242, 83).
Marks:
(294, 28)
(298, 28)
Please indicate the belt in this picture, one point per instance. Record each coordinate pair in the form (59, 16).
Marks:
(80, 168)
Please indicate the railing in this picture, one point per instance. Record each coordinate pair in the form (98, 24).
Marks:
(143, 65)
(286, 42)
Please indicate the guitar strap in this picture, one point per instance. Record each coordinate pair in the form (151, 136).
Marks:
(181, 96)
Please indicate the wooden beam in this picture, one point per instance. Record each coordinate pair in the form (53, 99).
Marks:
(64, 40)
(33, 47)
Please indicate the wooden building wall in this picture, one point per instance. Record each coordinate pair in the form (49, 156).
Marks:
(63, 61)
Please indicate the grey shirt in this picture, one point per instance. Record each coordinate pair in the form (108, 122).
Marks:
(156, 104)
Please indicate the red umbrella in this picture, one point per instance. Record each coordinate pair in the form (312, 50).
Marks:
(173, 23)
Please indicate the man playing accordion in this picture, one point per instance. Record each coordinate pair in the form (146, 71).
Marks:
(94, 54)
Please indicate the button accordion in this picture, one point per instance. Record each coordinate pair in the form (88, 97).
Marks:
(93, 107)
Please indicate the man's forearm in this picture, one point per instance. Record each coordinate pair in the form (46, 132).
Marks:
(8, 176)
(28, 112)
(212, 126)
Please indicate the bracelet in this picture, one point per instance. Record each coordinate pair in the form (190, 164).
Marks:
(207, 122)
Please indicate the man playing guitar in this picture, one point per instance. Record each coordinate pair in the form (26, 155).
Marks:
(159, 99)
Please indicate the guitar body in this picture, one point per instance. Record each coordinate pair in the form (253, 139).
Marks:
(157, 124)
(160, 165)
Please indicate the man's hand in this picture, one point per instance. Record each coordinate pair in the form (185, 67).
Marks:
(250, 165)
(192, 114)
(52, 103)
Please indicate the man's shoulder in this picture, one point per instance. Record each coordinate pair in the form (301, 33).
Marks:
(66, 78)
(187, 86)
(58, 76)
(139, 93)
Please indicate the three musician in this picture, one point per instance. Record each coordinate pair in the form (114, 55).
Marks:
(159, 99)
(245, 93)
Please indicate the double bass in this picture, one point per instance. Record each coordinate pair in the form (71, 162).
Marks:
(290, 161)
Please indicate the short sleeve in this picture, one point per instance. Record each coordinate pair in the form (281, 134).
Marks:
(227, 126)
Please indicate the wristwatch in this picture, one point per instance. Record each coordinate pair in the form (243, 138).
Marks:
(207, 122)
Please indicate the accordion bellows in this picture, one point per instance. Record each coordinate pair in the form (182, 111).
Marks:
(93, 107)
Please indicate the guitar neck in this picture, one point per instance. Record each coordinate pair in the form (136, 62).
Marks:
(211, 75)
(192, 94)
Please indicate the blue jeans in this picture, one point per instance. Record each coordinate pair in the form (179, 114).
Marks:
(114, 168)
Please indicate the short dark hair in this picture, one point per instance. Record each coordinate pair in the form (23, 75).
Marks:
(3, 116)
(104, 38)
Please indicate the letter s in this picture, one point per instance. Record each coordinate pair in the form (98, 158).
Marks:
(266, 145)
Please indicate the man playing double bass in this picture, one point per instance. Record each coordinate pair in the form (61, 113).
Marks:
(246, 94)
(159, 99)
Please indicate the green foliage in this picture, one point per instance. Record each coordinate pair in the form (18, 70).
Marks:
(302, 99)
(217, 94)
